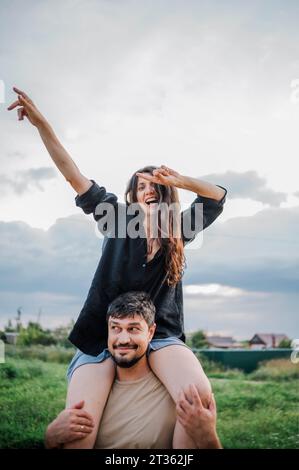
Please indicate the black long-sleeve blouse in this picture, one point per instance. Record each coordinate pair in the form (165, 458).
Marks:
(123, 267)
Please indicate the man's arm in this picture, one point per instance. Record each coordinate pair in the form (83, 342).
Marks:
(198, 421)
(59, 155)
(70, 425)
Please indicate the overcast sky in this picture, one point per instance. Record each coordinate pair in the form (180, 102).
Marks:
(209, 88)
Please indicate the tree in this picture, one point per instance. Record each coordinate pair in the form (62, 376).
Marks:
(34, 334)
(285, 343)
(9, 328)
(199, 340)
(61, 334)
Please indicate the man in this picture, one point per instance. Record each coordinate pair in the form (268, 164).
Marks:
(139, 412)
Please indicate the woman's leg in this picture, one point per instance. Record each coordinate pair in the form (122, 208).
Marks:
(176, 367)
(91, 383)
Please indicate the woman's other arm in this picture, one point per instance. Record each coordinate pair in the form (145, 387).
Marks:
(167, 176)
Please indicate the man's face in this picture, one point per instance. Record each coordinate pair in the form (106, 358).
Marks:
(128, 339)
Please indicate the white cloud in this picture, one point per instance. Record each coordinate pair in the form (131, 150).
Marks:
(198, 88)
(213, 290)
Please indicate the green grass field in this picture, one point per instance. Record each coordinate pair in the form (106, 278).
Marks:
(259, 410)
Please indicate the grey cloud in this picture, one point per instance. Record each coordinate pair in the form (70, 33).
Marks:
(26, 180)
(244, 316)
(259, 253)
(248, 185)
(53, 270)
(60, 260)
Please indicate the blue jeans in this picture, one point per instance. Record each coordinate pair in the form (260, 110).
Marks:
(80, 358)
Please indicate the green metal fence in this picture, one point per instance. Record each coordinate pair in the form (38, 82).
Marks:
(244, 359)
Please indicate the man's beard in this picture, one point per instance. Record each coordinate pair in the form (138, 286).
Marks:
(125, 363)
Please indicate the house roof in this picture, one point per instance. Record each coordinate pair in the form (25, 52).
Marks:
(269, 339)
(220, 341)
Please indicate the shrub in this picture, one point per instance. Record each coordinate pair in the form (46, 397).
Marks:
(23, 370)
(8, 371)
(276, 369)
(43, 353)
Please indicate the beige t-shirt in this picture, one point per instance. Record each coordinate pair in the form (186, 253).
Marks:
(139, 414)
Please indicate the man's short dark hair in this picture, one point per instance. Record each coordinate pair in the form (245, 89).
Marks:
(130, 303)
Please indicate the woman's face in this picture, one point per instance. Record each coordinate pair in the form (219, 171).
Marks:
(146, 192)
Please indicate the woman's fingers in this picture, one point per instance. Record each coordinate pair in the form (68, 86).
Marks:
(20, 102)
(170, 171)
(165, 171)
(156, 178)
(22, 93)
(160, 171)
(20, 114)
(24, 100)
(13, 105)
(146, 176)
(166, 168)
(27, 104)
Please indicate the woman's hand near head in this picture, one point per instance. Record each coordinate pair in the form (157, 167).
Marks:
(163, 175)
(169, 177)
(27, 108)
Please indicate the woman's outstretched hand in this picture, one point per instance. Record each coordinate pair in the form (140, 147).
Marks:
(26, 108)
(163, 175)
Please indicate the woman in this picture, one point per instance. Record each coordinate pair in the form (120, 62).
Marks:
(151, 264)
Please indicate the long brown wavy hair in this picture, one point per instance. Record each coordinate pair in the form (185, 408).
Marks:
(172, 247)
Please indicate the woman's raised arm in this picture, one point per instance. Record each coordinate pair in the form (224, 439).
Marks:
(59, 155)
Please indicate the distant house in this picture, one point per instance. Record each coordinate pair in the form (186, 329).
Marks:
(223, 342)
(266, 340)
(11, 338)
